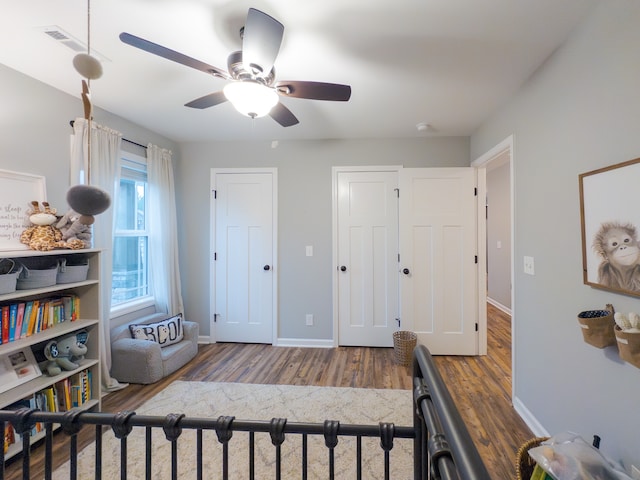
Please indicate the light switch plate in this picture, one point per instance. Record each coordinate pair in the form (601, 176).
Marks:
(529, 267)
(309, 250)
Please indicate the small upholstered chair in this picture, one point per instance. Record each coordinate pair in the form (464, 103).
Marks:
(149, 348)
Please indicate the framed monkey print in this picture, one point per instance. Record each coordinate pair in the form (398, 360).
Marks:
(610, 217)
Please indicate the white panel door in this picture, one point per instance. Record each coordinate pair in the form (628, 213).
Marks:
(367, 270)
(438, 258)
(243, 267)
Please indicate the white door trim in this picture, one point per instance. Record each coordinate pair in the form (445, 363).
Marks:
(212, 243)
(494, 157)
(334, 229)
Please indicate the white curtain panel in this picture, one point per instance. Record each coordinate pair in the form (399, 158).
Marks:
(164, 270)
(102, 171)
(78, 164)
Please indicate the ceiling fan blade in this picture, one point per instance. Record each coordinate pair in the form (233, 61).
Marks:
(261, 41)
(208, 100)
(283, 115)
(172, 55)
(314, 90)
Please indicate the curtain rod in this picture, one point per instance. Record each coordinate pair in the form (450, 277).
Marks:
(71, 122)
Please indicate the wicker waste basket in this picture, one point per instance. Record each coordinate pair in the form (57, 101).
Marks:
(524, 463)
(403, 344)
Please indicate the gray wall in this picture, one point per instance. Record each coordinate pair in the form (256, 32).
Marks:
(34, 130)
(304, 215)
(579, 112)
(499, 230)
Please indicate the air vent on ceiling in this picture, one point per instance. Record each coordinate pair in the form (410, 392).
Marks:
(68, 40)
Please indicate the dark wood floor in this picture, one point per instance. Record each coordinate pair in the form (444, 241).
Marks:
(481, 386)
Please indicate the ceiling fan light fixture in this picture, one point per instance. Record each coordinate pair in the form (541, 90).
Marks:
(251, 98)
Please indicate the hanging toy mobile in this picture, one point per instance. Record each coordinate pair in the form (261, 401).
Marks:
(87, 200)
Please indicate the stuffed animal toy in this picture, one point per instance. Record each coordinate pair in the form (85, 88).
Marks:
(73, 229)
(63, 353)
(42, 235)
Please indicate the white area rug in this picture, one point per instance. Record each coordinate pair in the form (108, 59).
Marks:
(262, 402)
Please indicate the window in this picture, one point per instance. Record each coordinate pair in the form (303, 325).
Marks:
(130, 283)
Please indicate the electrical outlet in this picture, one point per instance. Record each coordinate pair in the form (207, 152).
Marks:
(309, 320)
(529, 266)
(635, 472)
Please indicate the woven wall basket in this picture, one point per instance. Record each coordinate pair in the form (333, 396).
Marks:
(628, 346)
(597, 327)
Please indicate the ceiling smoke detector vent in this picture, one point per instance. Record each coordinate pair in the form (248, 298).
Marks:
(65, 38)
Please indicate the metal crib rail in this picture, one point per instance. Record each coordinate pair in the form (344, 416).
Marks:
(443, 447)
(123, 424)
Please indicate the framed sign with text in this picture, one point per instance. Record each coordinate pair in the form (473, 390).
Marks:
(17, 191)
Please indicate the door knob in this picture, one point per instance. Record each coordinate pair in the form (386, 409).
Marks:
(343, 268)
(266, 267)
(406, 271)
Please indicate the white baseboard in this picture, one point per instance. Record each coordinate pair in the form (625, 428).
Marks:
(284, 342)
(499, 306)
(304, 342)
(531, 421)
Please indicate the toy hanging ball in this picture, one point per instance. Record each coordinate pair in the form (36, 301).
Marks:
(88, 66)
(88, 200)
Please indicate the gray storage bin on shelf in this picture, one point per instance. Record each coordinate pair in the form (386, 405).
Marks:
(72, 268)
(9, 272)
(37, 272)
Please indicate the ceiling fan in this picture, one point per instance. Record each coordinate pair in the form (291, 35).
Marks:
(252, 89)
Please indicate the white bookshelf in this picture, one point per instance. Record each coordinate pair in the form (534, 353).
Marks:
(88, 291)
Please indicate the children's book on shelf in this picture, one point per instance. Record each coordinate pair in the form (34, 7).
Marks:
(37, 427)
(80, 388)
(17, 368)
(13, 318)
(46, 400)
(25, 318)
(9, 436)
(4, 318)
(19, 320)
(68, 393)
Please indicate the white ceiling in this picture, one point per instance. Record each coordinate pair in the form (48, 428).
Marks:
(449, 63)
